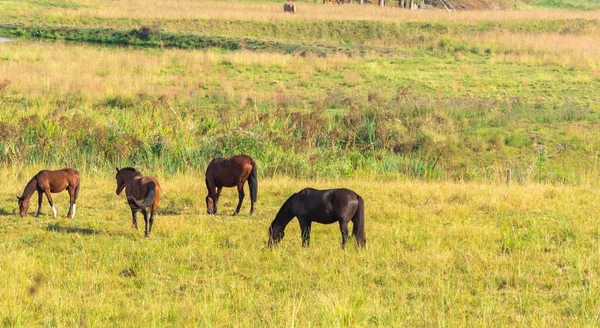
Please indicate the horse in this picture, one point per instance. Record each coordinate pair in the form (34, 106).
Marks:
(48, 182)
(289, 8)
(322, 206)
(142, 193)
(230, 172)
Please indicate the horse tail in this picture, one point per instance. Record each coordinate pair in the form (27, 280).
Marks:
(253, 183)
(150, 196)
(358, 223)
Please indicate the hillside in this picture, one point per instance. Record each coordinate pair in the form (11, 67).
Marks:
(423, 94)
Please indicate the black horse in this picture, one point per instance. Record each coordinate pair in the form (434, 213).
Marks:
(323, 206)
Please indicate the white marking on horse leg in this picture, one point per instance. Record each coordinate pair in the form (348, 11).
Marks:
(74, 210)
(54, 210)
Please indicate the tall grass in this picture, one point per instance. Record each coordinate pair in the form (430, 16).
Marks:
(94, 108)
(439, 99)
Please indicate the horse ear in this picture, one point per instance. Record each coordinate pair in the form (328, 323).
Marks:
(117, 169)
(18, 197)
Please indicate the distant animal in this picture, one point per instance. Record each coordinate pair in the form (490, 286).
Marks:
(143, 194)
(230, 172)
(289, 8)
(322, 206)
(48, 182)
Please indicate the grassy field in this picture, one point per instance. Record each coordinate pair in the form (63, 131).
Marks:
(457, 105)
(443, 254)
(420, 112)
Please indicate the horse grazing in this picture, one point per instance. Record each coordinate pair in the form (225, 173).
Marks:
(230, 172)
(142, 193)
(289, 8)
(322, 206)
(48, 182)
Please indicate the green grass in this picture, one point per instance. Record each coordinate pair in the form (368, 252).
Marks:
(422, 117)
(473, 115)
(438, 254)
(560, 4)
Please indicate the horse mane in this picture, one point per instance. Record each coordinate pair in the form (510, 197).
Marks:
(285, 214)
(132, 170)
(30, 188)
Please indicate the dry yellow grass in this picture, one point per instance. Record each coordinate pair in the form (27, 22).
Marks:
(41, 69)
(44, 69)
(566, 49)
(306, 11)
(438, 254)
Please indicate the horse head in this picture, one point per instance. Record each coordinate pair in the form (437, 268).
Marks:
(275, 235)
(124, 175)
(210, 205)
(23, 206)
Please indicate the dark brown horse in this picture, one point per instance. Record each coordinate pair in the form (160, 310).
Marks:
(230, 172)
(47, 182)
(142, 193)
(289, 8)
(322, 206)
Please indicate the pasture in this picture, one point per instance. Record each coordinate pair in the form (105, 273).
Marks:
(420, 112)
(438, 253)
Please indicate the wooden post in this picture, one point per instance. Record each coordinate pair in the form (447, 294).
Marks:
(444, 3)
(508, 176)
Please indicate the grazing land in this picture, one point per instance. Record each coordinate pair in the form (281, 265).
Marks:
(420, 112)
(439, 253)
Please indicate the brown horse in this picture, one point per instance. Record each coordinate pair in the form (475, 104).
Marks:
(322, 206)
(48, 182)
(289, 8)
(230, 172)
(142, 193)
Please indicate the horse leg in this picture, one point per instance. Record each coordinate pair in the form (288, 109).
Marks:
(216, 200)
(146, 233)
(134, 218)
(71, 213)
(305, 230)
(240, 188)
(151, 221)
(39, 203)
(344, 231)
(47, 192)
